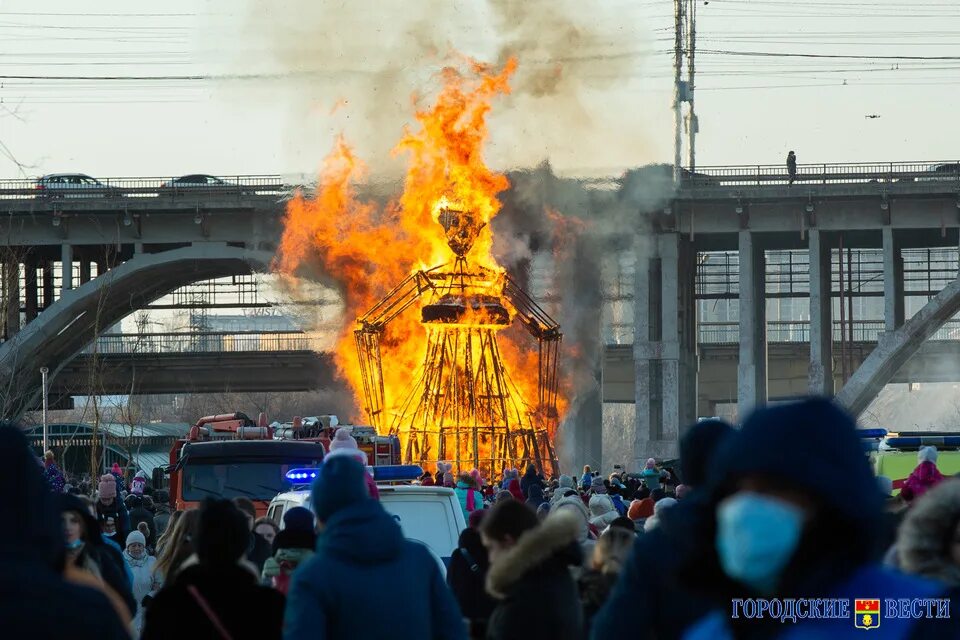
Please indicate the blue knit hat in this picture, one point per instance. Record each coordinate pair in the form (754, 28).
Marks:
(341, 482)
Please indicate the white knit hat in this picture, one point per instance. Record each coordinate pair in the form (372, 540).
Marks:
(136, 536)
(927, 454)
(344, 444)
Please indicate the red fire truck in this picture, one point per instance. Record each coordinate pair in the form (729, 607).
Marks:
(231, 455)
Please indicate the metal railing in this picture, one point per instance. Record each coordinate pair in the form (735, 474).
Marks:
(798, 331)
(828, 173)
(157, 187)
(205, 342)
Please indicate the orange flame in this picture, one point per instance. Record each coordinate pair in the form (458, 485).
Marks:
(370, 249)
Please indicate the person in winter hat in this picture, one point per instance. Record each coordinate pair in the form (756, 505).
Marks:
(658, 509)
(344, 443)
(360, 545)
(602, 511)
(504, 495)
(145, 581)
(448, 480)
(928, 543)
(477, 478)
(640, 511)
(117, 473)
(697, 448)
(52, 472)
(618, 503)
(218, 596)
(530, 574)
(109, 505)
(139, 483)
(543, 511)
(651, 476)
(514, 489)
(574, 505)
(469, 497)
(535, 496)
(924, 477)
(38, 602)
(779, 527)
(426, 479)
(443, 469)
(292, 547)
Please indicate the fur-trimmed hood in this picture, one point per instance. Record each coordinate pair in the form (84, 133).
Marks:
(575, 505)
(922, 542)
(554, 535)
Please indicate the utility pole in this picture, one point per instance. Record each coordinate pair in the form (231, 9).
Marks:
(678, 89)
(692, 123)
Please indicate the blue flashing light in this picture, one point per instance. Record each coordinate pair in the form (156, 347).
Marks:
(397, 473)
(301, 476)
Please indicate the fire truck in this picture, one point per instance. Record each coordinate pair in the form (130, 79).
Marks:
(231, 455)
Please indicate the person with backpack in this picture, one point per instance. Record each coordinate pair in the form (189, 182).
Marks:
(467, 575)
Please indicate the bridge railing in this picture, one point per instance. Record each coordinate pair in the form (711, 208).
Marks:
(798, 331)
(205, 342)
(828, 173)
(148, 187)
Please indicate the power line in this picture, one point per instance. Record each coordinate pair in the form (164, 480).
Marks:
(837, 56)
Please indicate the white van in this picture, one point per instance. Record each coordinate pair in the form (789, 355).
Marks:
(429, 515)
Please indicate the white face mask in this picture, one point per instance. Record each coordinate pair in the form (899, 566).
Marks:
(756, 538)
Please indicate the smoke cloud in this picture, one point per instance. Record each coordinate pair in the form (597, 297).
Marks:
(359, 67)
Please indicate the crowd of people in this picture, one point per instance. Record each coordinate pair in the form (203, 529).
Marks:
(786, 507)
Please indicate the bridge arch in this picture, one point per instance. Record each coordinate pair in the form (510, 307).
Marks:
(66, 327)
(894, 348)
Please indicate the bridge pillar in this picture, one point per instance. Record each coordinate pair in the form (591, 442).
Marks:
(30, 267)
(893, 308)
(84, 270)
(66, 268)
(821, 318)
(752, 368)
(11, 297)
(47, 283)
(665, 356)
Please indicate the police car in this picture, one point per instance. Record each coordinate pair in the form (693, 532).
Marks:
(429, 515)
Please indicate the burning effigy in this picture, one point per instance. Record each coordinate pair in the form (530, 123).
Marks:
(430, 358)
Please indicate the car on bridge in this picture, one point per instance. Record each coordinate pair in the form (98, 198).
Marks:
(74, 185)
(948, 171)
(204, 183)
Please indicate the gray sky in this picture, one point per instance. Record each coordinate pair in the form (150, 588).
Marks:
(610, 111)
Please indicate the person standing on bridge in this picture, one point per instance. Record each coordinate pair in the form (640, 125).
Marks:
(792, 166)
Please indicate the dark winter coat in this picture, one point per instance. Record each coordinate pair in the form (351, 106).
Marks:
(118, 511)
(258, 551)
(538, 596)
(798, 446)
(244, 608)
(139, 513)
(595, 588)
(108, 558)
(362, 554)
(467, 576)
(529, 479)
(35, 601)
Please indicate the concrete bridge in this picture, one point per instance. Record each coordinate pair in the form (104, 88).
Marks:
(829, 212)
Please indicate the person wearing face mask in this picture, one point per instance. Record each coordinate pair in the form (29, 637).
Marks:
(145, 581)
(89, 556)
(781, 527)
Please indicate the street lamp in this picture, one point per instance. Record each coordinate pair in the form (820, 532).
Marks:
(43, 374)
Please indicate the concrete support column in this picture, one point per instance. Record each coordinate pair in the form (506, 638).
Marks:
(47, 283)
(752, 369)
(11, 299)
(646, 349)
(66, 268)
(30, 289)
(678, 322)
(893, 308)
(821, 317)
(84, 271)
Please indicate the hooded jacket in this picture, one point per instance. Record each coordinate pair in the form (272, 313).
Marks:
(928, 524)
(31, 554)
(922, 479)
(362, 546)
(538, 596)
(574, 504)
(529, 479)
(244, 608)
(535, 496)
(602, 511)
(837, 555)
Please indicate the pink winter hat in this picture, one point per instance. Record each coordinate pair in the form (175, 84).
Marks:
(107, 487)
(344, 444)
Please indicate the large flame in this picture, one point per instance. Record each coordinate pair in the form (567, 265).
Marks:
(369, 249)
